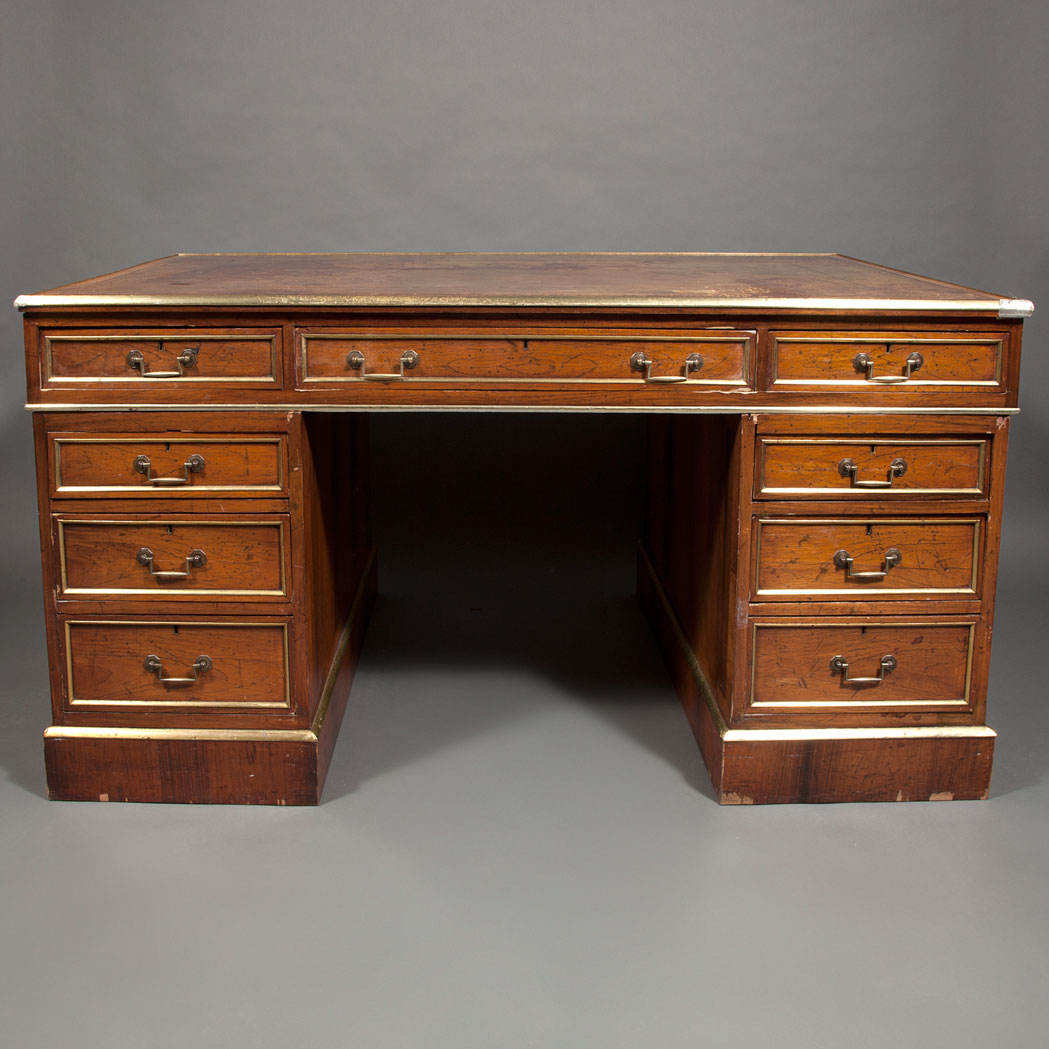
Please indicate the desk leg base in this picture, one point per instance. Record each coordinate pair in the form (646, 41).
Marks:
(768, 766)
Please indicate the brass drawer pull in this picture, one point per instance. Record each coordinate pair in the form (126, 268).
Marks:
(193, 465)
(186, 359)
(409, 359)
(886, 665)
(201, 665)
(848, 468)
(864, 362)
(641, 362)
(843, 560)
(194, 559)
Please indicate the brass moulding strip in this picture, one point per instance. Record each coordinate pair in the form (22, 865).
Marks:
(871, 594)
(195, 704)
(153, 438)
(876, 439)
(273, 379)
(746, 339)
(861, 383)
(853, 704)
(158, 591)
(780, 735)
(231, 735)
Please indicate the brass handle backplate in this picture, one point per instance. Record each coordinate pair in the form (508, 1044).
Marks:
(641, 362)
(193, 465)
(186, 359)
(356, 360)
(201, 665)
(863, 362)
(848, 468)
(840, 665)
(194, 559)
(843, 560)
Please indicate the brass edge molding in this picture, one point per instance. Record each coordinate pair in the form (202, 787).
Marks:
(204, 735)
(343, 643)
(1015, 308)
(781, 735)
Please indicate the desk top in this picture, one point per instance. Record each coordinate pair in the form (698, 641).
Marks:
(608, 279)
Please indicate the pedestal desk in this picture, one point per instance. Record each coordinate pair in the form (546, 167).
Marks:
(826, 456)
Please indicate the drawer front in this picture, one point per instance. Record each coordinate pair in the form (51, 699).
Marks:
(214, 557)
(887, 364)
(876, 558)
(800, 467)
(176, 665)
(819, 666)
(175, 466)
(723, 358)
(151, 359)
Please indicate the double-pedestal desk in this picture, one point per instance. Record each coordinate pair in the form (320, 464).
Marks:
(826, 457)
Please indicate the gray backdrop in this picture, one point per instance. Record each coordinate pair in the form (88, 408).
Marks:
(911, 134)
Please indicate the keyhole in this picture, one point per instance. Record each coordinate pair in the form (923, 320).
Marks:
(171, 531)
(167, 446)
(174, 629)
(870, 528)
(863, 631)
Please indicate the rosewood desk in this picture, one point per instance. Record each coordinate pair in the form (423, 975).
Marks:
(826, 457)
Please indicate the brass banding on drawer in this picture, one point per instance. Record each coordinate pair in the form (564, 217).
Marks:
(718, 358)
(249, 359)
(860, 559)
(162, 665)
(887, 363)
(882, 466)
(156, 464)
(826, 665)
(208, 557)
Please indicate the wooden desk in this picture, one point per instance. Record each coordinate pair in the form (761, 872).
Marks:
(826, 457)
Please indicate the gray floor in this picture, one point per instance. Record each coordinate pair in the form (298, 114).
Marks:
(518, 845)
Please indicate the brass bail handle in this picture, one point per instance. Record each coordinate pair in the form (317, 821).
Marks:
(848, 468)
(864, 362)
(409, 359)
(193, 465)
(201, 665)
(186, 359)
(891, 559)
(196, 558)
(840, 665)
(641, 362)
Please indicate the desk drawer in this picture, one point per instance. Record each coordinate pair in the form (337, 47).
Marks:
(143, 359)
(163, 665)
(206, 557)
(721, 358)
(173, 466)
(901, 666)
(888, 364)
(859, 559)
(881, 467)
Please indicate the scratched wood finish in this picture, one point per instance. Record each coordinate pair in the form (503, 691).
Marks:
(249, 665)
(828, 360)
(243, 558)
(797, 467)
(796, 558)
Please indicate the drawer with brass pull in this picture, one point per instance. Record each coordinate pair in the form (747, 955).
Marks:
(171, 466)
(792, 467)
(833, 665)
(207, 556)
(854, 558)
(721, 358)
(888, 363)
(247, 358)
(171, 665)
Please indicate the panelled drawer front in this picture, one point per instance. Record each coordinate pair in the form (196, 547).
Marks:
(172, 467)
(876, 558)
(887, 364)
(817, 666)
(882, 466)
(210, 557)
(722, 358)
(143, 359)
(170, 665)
